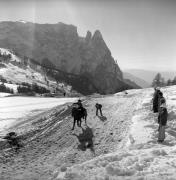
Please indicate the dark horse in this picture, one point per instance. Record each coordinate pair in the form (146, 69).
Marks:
(78, 113)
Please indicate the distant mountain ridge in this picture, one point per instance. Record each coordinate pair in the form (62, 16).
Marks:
(148, 75)
(142, 83)
(87, 57)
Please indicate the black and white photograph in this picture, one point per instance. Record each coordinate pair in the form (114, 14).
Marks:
(87, 89)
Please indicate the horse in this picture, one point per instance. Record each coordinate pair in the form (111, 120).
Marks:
(78, 113)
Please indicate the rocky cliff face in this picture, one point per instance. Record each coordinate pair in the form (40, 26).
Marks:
(87, 57)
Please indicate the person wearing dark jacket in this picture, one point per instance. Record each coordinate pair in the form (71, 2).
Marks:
(155, 100)
(98, 107)
(79, 104)
(162, 120)
(161, 100)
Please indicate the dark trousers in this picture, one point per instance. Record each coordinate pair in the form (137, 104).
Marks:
(99, 110)
(78, 122)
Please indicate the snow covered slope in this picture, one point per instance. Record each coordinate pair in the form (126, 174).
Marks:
(121, 145)
(17, 72)
(142, 157)
(14, 109)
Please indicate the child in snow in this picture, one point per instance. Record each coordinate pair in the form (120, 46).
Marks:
(162, 120)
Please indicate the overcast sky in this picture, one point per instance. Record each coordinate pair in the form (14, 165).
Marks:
(141, 34)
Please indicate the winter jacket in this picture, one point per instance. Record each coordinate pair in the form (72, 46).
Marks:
(162, 117)
(155, 101)
(98, 106)
(160, 99)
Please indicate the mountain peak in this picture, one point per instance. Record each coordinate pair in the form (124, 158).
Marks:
(98, 34)
(88, 36)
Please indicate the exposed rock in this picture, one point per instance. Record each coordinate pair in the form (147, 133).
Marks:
(88, 36)
(88, 57)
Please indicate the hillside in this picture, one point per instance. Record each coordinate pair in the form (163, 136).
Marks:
(120, 145)
(87, 57)
(17, 71)
(148, 75)
(140, 82)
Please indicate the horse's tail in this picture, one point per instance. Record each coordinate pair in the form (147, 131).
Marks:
(85, 114)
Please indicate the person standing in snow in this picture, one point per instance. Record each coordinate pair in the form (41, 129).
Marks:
(160, 99)
(162, 120)
(79, 104)
(98, 107)
(155, 100)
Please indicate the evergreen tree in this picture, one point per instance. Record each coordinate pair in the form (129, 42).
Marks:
(169, 82)
(47, 63)
(157, 81)
(162, 82)
(174, 81)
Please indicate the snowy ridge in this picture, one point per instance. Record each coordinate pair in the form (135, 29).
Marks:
(7, 52)
(22, 21)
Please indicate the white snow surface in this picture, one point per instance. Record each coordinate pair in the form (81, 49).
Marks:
(141, 158)
(22, 21)
(19, 75)
(13, 109)
(2, 94)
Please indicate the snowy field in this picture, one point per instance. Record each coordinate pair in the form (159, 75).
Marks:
(13, 109)
(121, 145)
(141, 158)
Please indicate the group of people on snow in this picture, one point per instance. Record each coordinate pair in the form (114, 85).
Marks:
(79, 112)
(159, 106)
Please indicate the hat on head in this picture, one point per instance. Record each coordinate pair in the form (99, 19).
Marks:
(163, 101)
(160, 93)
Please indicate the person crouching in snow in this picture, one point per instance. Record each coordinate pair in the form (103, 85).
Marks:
(13, 140)
(98, 107)
(162, 120)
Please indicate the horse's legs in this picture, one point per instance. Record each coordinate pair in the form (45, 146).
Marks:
(79, 122)
(101, 112)
(85, 117)
(74, 121)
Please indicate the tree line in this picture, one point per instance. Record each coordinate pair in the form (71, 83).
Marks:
(29, 88)
(5, 57)
(160, 81)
